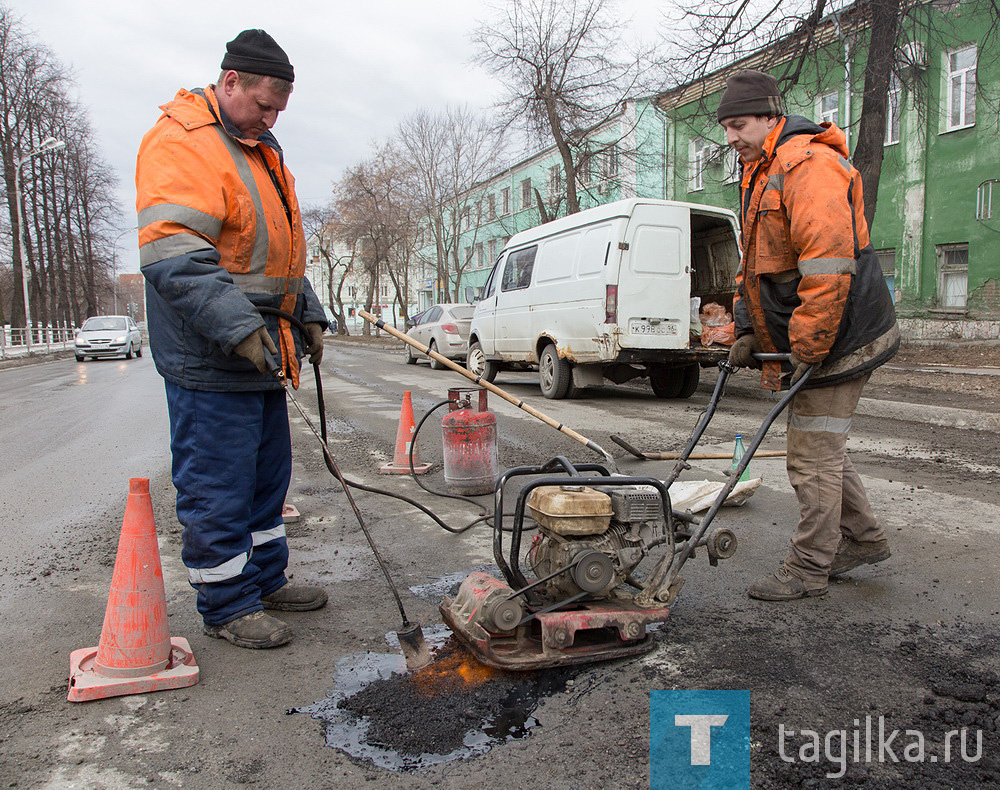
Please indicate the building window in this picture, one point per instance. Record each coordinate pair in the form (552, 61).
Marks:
(961, 88)
(887, 260)
(492, 251)
(734, 168)
(892, 111)
(611, 162)
(953, 276)
(479, 256)
(526, 193)
(505, 201)
(555, 182)
(491, 206)
(584, 169)
(696, 165)
(828, 107)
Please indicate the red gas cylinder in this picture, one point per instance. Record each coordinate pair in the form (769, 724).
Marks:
(471, 465)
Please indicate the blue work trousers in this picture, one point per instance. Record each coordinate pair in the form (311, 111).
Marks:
(232, 461)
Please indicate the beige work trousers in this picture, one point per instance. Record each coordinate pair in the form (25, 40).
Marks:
(832, 500)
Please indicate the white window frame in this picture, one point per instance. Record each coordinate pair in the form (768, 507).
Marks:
(734, 166)
(887, 263)
(555, 182)
(697, 150)
(824, 110)
(505, 201)
(954, 271)
(964, 80)
(525, 193)
(893, 111)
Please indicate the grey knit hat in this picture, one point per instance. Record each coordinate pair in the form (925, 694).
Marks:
(255, 52)
(750, 92)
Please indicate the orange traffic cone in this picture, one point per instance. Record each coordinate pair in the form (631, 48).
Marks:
(404, 437)
(136, 654)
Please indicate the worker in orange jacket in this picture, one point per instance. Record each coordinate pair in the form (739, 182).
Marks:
(220, 235)
(810, 285)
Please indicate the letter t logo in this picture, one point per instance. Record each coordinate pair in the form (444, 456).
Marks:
(701, 735)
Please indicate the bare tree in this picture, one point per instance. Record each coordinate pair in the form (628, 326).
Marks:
(448, 152)
(67, 201)
(320, 225)
(566, 76)
(376, 217)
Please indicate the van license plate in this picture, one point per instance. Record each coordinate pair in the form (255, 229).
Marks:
(646, 328)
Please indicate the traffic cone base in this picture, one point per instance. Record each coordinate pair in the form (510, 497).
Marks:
(86, 684)
(404, 437)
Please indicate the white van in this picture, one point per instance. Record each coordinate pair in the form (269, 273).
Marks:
(607, 293)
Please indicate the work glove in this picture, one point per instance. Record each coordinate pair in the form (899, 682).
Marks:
(252, 348)
(798, 367)
(315, 347)
(739, 353)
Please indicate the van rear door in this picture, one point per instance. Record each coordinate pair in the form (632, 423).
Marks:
(654, 278)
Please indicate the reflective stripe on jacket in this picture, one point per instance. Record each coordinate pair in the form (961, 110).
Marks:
(219, 234)
(810, 282)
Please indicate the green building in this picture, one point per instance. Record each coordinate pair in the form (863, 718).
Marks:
(937, 221)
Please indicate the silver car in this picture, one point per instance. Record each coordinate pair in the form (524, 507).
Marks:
(443, 327)
(108, 336)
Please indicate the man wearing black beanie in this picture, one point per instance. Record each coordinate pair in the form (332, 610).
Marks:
(220, 234)
(810, 285)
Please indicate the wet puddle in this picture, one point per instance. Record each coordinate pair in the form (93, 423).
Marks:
(452, 709)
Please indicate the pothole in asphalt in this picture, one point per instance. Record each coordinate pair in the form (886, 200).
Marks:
(454, 708)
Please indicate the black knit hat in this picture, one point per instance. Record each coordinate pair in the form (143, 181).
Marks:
(750, 92)
(255, 52)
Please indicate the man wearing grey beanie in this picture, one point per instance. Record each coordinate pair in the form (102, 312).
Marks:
(810, 285)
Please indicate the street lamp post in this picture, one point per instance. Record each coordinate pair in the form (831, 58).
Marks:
(48, 144)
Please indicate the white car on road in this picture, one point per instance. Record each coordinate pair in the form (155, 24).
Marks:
(108, 336)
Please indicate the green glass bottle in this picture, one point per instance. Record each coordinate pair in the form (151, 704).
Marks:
(738, 452)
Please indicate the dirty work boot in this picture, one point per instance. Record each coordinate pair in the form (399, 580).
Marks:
(257, 630)
(851, 554)
(782, 586)
(295, 598)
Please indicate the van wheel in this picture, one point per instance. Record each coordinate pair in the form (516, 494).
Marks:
(665, 381)
(689, 380)
(554, 374)
(435, 365)
(674, 382)
(477, 363)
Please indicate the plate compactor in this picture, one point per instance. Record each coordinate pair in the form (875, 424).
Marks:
(594, 529)
(586, 601)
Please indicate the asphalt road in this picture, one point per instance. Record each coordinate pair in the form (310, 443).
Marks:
(895, 640)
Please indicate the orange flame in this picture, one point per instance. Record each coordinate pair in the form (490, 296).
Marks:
(453, 667)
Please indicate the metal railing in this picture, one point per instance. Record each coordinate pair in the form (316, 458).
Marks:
(44, 340)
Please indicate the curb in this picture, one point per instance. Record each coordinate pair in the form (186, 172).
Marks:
(944, 416)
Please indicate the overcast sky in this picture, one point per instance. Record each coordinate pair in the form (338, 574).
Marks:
(360, 67)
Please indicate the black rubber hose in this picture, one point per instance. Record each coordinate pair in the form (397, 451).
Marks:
(321, 405)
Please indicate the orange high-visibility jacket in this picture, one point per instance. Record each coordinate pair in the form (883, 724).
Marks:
(809, 281)
(219, 234)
